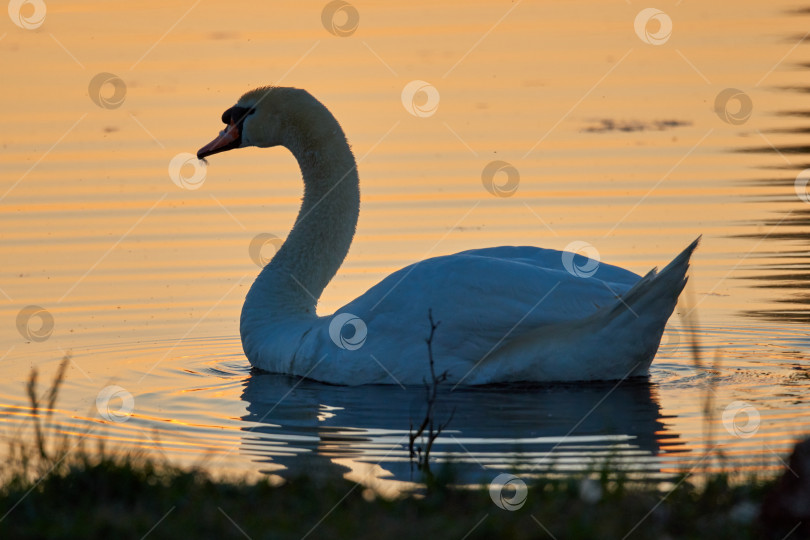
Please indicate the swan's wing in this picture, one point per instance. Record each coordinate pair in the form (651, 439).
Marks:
(506, 282)
(481, 299)
(551, 259)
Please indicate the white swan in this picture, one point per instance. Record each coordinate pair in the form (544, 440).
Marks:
(506, 313)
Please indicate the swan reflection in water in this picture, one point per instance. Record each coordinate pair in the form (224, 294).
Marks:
(302, 426)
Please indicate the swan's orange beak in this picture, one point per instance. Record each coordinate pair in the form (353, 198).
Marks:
(227, 139)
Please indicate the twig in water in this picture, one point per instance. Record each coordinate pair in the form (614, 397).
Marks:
(428, 422)
(690, 322)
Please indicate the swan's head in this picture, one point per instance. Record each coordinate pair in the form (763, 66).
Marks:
(269, 116)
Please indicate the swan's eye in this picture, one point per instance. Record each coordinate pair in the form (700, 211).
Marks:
(236, 115)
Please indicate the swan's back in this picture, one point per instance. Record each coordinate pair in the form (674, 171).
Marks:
(506, 314)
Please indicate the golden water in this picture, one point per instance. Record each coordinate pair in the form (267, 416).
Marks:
(616, 141)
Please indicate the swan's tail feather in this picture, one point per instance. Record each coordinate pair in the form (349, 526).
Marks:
(660, 286)
(618, 341)
(638, 318)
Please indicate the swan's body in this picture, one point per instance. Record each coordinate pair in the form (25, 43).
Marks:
(506, 313)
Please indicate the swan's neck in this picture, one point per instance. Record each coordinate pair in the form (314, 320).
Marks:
(288, 288)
